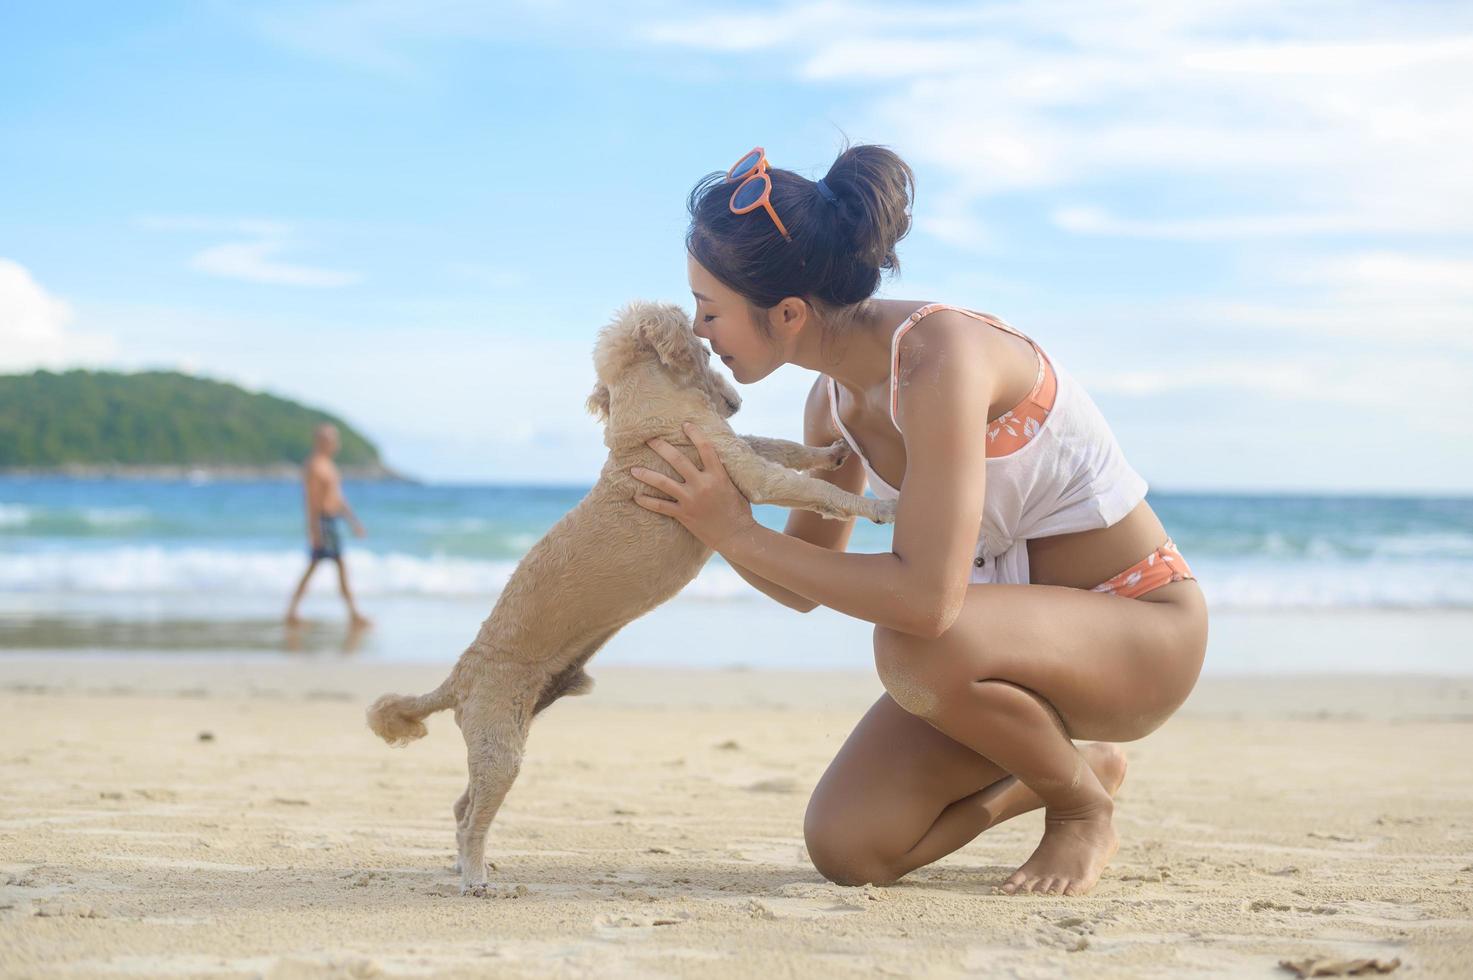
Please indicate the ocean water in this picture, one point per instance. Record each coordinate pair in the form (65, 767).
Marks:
(99, 564)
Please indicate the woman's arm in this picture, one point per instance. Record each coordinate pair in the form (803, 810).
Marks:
(805, 525)
(946, 390)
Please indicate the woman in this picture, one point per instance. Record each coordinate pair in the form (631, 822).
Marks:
(1069, 616)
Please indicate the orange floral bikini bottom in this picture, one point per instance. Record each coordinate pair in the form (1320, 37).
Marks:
(1161, 567)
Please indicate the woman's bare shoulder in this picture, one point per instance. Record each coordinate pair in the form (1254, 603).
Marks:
(946, 346)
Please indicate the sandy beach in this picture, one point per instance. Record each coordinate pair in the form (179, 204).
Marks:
(182, 817)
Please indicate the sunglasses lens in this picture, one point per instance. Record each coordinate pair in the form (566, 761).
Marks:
(748, 194)
(745, 163)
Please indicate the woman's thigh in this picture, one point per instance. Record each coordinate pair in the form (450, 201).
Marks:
(1112, 668)
(891, 778)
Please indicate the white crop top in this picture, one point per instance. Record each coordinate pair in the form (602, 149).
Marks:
(1069, 476)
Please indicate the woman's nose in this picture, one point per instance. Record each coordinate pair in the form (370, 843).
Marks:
(699, 331)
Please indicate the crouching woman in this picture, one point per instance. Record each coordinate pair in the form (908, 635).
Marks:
(1031, 597)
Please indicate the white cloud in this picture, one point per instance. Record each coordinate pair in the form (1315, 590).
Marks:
(1097, 221)
(1352, 121)
(1418, 301)
(255, 262)
(1391, 274)
(35, 327)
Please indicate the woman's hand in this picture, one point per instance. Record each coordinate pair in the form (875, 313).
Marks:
(706, 502)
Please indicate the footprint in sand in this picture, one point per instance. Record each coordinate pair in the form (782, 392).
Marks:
(164, 862)
(789, 852)
(1071, 933)
(350, 968)
(57, 908)
(620, 924)
(835, 895)
(795, 908)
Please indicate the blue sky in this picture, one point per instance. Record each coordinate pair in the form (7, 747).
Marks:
(1246, 227)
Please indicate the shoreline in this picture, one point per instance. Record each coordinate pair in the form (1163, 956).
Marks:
(1399, 697)
(733, 635)
(168, 473)
(86, 471)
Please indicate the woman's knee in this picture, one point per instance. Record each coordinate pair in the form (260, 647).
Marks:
(915, 671)
(839, 855)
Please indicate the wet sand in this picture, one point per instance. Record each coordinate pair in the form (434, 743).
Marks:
(181, 817)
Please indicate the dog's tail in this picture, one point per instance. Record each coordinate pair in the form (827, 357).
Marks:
(399, 718)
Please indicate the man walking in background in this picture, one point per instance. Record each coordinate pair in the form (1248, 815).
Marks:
(323, 486)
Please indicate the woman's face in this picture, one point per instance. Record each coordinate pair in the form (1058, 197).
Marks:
(724, 319)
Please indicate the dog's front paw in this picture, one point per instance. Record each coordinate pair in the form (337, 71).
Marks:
(838, 454)
(882, 511)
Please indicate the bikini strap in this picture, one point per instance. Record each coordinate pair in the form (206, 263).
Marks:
(834, 406)
(926, 311)
(834, 415)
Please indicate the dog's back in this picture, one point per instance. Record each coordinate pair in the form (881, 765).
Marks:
(605, 563)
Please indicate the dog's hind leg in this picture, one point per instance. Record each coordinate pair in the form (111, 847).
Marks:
(495, 731)
(459, 810)
(797, 456)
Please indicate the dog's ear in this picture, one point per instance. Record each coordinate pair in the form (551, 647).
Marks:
(598, 402)
(668, 332)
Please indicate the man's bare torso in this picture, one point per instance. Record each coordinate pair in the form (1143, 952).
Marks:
(324, 486)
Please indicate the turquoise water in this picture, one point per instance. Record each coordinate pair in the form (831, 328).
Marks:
(84, 539)
(117, 567)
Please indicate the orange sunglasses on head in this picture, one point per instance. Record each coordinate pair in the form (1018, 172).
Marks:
(755, 189)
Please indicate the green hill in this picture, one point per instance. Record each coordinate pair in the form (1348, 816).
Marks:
(158, 420)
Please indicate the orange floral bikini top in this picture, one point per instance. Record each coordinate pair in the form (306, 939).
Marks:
(1007, 433)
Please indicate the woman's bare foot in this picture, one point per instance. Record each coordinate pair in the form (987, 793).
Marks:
(1075, 848)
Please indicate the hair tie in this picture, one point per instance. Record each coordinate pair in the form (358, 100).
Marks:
(828, 195)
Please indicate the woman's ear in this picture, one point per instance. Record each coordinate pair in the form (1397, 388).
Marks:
(788, 316)
(598, 402)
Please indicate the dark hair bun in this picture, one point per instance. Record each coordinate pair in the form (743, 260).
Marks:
(840, 243)
(875, 189)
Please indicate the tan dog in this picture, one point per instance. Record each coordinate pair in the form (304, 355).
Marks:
(608, 561)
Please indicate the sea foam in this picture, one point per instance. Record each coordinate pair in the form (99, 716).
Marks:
(159, 570)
